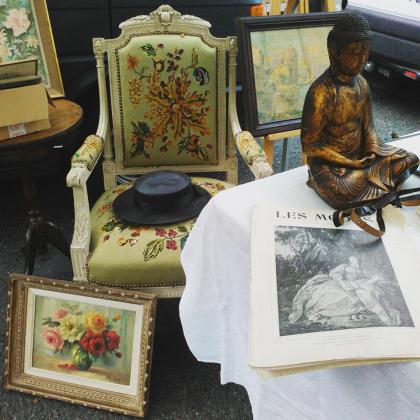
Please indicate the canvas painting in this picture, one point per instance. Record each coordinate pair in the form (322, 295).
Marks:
(331, 279)
(19, 34)
(25, 32)
(83, 340)
(78, 342)
(285, 63)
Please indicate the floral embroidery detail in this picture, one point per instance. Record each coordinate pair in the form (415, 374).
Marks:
(212, 188)
(175, 109)
(193, 145)
(168, 238)
(103, 209)
(135, 89)
(248, 147)
(159, 65)
(157, 239)
(172, 105)
(148, 49)
(115, 223)
(132, 62)
(89, 151)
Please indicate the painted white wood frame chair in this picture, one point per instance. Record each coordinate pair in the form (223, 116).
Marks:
(167, 77)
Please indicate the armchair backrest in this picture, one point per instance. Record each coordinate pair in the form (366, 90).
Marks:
(167, 78)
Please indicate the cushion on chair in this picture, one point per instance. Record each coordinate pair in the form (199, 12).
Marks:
(168, 92)
(138, 256)
(89, 151)
(248, 147)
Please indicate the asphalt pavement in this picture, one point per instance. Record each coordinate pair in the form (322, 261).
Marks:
(181, 387)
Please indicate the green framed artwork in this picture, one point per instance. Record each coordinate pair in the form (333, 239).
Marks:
(280, 58)
(25, 31)
(80, 343)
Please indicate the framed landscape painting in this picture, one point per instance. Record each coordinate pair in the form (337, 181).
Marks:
(80, 343)
(25, 31)
(280, 57)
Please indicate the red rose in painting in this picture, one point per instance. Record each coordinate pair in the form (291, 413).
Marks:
(96, 345)
(84, 341)
(112, 340)
(93, 343)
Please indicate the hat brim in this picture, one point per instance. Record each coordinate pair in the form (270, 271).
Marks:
(125, 208)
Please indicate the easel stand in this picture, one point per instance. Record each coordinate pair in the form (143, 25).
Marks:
(269, 147)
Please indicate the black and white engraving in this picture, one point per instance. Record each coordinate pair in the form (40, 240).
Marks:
(331, 279)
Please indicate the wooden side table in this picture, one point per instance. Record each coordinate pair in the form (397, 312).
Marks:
(65, 117)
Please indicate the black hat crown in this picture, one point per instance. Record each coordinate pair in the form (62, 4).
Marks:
(160, 198)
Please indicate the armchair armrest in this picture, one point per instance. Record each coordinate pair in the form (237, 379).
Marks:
(253, 154)
(82, 163)
(89, 152)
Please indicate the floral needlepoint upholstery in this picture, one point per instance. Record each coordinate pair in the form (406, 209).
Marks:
(168, 99)
(138, 256)
(89, 151)
(250, 150)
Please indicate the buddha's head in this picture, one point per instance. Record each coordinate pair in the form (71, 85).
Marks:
(348, 45)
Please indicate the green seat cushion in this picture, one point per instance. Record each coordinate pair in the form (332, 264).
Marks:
(138, 256)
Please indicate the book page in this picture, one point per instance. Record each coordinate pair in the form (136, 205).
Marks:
(321, 294)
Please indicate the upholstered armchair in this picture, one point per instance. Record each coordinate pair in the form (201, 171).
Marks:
(167, 77)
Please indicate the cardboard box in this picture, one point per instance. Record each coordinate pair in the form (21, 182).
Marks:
(23, 110)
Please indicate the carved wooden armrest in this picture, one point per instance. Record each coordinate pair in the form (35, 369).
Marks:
(82, 163)
(89, 152)
(253, 154)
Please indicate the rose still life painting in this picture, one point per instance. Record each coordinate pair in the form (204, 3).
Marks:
(83, 339)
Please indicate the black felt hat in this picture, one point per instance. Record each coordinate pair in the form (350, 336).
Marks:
(160, 198)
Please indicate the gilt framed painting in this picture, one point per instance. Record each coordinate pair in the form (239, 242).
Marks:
(25, 32)
(280, 57)
(80, 343)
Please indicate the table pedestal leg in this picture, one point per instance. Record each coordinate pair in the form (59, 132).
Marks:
(39, 231)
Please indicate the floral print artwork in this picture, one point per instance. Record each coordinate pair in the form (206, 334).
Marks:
(83, 339)
(176, 111)
(19, 38)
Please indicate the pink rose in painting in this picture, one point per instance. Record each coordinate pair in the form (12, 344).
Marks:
(60, 313)
(17, 20)
(52, 338)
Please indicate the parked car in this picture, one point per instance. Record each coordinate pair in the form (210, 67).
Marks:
(395, 28)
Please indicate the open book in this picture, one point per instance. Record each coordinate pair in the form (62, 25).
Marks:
(326, 297)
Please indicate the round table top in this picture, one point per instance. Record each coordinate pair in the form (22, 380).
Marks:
(66, 115)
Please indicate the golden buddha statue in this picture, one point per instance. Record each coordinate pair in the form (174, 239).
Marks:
(349, 165)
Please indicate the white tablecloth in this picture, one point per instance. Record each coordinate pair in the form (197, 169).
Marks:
(214, 315)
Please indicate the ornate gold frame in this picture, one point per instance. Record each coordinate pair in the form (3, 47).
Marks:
(56, 89)
(15, 377)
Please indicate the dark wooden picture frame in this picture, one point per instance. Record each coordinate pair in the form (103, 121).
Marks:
(245, 26)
